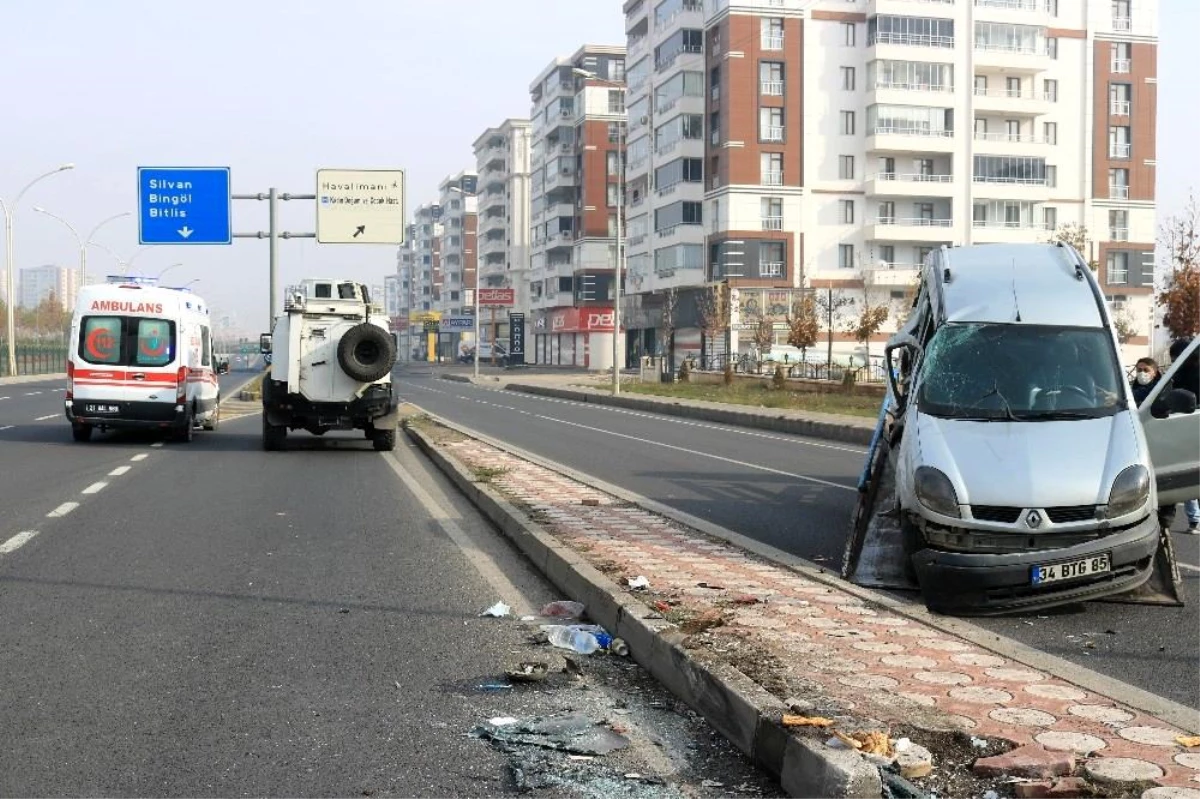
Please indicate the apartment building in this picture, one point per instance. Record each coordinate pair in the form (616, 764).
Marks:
(36, 284)
(578, 131)
(459, 251)
(843, 141)
(502, 156)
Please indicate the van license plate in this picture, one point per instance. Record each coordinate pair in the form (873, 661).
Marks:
(101, 409)
(1069, 570)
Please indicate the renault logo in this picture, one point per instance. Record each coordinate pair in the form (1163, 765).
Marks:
(1033, 519)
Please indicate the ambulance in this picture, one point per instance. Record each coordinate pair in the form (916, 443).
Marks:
(141, 357)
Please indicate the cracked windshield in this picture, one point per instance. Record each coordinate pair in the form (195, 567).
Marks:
(661, 399)
(1020, 373)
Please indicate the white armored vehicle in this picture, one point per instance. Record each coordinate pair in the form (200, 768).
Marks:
(331, 360)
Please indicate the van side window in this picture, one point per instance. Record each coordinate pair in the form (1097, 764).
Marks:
(205, 347)
(322, 291)
(346, 291)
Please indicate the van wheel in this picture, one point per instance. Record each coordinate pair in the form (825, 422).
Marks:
(81, 432)
(185, 433)
(215, 419)
(910, 541)
(384, 440)
(273, 436)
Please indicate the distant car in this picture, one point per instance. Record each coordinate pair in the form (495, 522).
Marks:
(222, 366)
(485, 354)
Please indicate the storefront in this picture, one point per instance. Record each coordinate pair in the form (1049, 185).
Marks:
(579, 337)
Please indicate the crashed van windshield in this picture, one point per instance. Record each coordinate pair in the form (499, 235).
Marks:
(1018, 373)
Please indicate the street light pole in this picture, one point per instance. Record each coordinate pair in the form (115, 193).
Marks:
(618, 267)
(168, 269)
(82, 242)
(11, 291)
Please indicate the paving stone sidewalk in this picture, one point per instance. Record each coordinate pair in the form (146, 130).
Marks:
(859, 657)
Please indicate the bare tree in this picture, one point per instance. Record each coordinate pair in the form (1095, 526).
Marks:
(763, 334)
(829, 306)
(669, 319)
(1180, 297)
(714, 310)
(1125, 327)
(803, 325)
(1075, 235)
(868, 322)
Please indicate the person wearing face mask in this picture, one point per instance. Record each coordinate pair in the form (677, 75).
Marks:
(1146, 377)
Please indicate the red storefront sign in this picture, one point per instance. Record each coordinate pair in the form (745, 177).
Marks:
(580, 320)
(497, 296)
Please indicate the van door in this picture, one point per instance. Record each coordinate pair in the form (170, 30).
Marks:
(151, 379)
(98, 366)
(1174, 440)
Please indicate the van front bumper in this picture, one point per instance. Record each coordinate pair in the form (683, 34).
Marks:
(987, 584)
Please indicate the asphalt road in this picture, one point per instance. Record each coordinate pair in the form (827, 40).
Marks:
(211, 619)
(797, 494)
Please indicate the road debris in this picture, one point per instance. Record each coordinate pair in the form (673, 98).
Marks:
(528, 671)
(498, 610)
(1188, 740)
(790, 720)
(573, 732)
(639, 583)
(563, 609)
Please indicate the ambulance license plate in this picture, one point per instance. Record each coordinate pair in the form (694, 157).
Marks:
(1071, 569)
(109, 409)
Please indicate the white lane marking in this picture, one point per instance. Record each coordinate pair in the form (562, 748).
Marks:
(480, 559)
(657, 417)
(33, 393)
(157, 444)
(1188, 567)
(3, 398)
(120, 470)
(44, 418)
(700, 454)
(62, 510)
(16, 542)
(140, 457)
(6, 427)
(95, 488)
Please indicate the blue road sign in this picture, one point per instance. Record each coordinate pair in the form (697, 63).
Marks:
(184, 205)
(457, 322)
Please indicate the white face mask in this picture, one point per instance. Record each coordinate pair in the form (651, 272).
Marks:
(1144, 377)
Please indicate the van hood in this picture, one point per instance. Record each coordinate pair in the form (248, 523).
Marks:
(1030, 464)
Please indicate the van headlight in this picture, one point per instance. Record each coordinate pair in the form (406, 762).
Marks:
(1129, 491)
(935, 491)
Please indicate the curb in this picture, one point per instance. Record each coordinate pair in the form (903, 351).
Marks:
(848, 434)
(14, 381)
(742, 711)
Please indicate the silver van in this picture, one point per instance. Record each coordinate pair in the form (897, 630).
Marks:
(1022, 475)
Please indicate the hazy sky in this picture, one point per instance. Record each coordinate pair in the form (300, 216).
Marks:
(277, 89)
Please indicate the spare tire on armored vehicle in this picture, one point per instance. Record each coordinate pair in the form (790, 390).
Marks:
(366, 352)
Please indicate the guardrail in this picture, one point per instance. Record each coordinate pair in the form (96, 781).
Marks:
(35, 359)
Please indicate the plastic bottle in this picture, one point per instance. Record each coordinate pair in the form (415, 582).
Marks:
(580, 641)
(563, 609)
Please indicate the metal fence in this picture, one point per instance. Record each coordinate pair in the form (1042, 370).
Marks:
(874, 371)
(35, 358)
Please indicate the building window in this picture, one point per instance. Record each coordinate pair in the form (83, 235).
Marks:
(1118, 268)
(924, 211)
(770, 124)
(887, 254)
(1052, 47)
(1120, 15)
(848, 38)
(847, 211)
(1050, 132)
(770, 78)
(1119, 95)
(714, 83)
(1119, 145)
(847, 123)
(1051, 177)
(771, 256)
(1122, 54)
(1050, 90)
(846, 167)
(771, 169)
(1118, 225)
(772, 33)
(613, 194)
(887, 212)
(612, 162)
(1050, 218)
(846, 256)
(772, 213)
(1118, 184)
(616, 101)
(848, 79)
(1012, 128)
(910, 31)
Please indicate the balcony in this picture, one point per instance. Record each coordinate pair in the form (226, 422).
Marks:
(772, 223)
(1118, 234)
(885, 138)
(1118, 192)
(1012, 102)
(771, 88)
(772, 179)
(770, 269)
(1013, 58)
(893, 184)
(1002, 188)
(559, 177)
(1119, 150)
(1000, 231)
(772, 133)
(1002, 143)
(892, 274)
(1120, 108)
(1122, 24)
(1120, 66)
(770, 42)
(913, 40)
(563, 239)
(887, 92)
(1008, 5)
(891, 228)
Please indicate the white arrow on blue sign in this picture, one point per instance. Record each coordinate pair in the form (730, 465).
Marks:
(184, 205)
